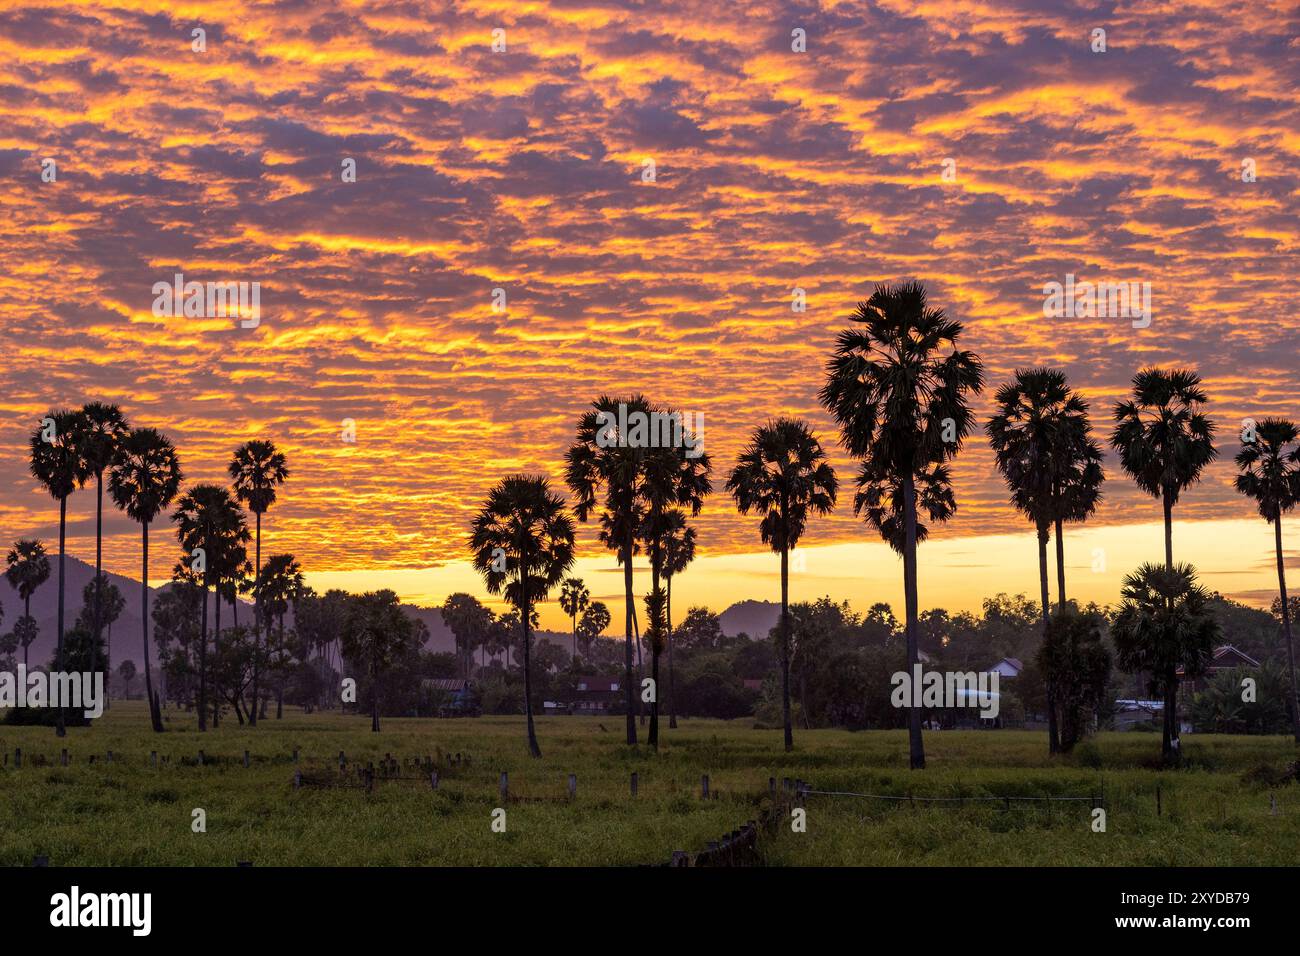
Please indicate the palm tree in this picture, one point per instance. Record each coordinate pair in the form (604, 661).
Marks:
(1164, 623)
(1040, 442)
(28, 568)
(679, 551)
(58, 449)
(281, 587)
(256, 469)
(209, 522)
(105, 427)
(522, 544)
(143, 479)
(596, 463)
(594, 621)
(783, 475)
(1163, 438)
(898, 388)
(674, 479)
(574, 598)
(1270, 473)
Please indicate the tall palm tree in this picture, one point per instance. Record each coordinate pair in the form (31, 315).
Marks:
(106, 426)
(282, 586)
(601, 459)
(1270, 473)
(28, 568)
(1164, 623)
(143, 479)
(679, 552)
(574, 598)
(1040, 442)
(594, 621)
(209, 521)
(1163, 438)
(783, 475)
(898, 388)
(257, 469)
(674, 479)
(524, 522)
(58, 462)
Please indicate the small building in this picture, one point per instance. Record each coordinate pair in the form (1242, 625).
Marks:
(595, 695)
(1007, 668)
(1130, 713)
(453, 696)
(1226, 657)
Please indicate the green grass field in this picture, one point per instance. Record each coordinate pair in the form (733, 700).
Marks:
(1215, 811)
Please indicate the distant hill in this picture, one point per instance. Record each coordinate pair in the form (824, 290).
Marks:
(755, 618)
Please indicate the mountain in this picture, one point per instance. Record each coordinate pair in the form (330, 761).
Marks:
(755, 618)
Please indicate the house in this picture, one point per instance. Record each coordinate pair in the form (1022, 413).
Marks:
(1007, 667)
(1129, 713)
(595, 695)
(1225, 658)
(454, 695)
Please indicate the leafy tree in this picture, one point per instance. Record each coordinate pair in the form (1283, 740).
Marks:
(1076, 665)
(574, 598)
(106, 426)
(101, 605)
(126, 670)
(679, 552)
(469, 622)
(700, 631)
(377, 633)
(594, 621)
(1162, 624)
(27, 569)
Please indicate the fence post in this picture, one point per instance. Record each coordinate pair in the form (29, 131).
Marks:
(704, 786)
(153, 758)
(18, 757)
(295, 755)
(63, 757)
(1158, 807)
(433, 779)
(573, 786)
(297, 779)
(110, 756)
(200, 758)
(343, 762)
(505, 786)
(245, 758)
(634, 783)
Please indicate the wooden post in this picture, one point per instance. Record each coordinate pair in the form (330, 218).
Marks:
(200, 758)
(433, 779)
(63, 757)
(110, 756)
(18, 757)
(343, 762)
(1272, 804)
(634, 783)
(297, 779)
(785, 784)
(573, 786)
(704, 786)
(246, 759)
(1158, 809)
(295, 755)
(505, 786)
(153, 758)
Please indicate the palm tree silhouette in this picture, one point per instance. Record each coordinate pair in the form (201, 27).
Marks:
(1163, 438)
(602, 459)
(898, 390)
(1040, 442)
(679, 551)
(574, 598)
(673, 479)
(594, 620)
(1163, 623)
(281, 587)
(256, 469)
(143, 479)
(28, 568)
(522, 544)
(106, 426)
(1270, 473)
(209, 525)
(783, 474)
(58, 462)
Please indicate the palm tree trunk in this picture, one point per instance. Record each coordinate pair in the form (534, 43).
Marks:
(785, 648)
(216, 636)
(525, 611)
(374, 701)
(1060, 563)
(672, 702)
(203, 661)
(627, 671)
(59, 729)
(1170, 746)
(1286, 628)
(99, 563)
(915, 744)
(1053, 735)
(27, 612)
(279, 684)
(257, 620)
(653, 738)
(1169, 530)
(155, 715)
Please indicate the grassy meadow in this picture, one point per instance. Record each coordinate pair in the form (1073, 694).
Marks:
(1217, 810)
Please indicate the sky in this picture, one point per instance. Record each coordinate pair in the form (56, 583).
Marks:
(983, 149)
